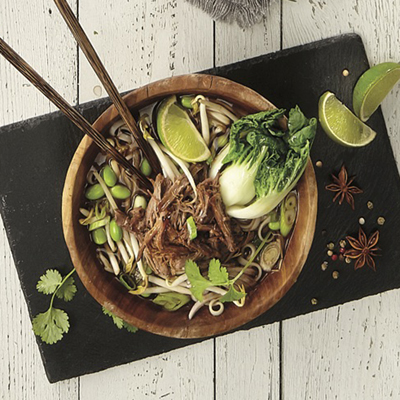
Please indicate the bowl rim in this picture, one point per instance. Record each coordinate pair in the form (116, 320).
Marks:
(291, 265)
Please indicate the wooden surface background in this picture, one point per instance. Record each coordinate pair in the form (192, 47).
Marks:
(346, 352)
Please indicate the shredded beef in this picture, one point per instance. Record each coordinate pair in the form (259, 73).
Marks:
(162, 229)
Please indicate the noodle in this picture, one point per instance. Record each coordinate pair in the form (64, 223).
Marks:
(126, 256)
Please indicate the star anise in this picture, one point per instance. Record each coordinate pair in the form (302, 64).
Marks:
(343, 188)
(363, 249)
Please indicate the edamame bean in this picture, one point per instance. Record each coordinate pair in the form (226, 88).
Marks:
(109, 176)
(186, 101)
(115, 231)
(145, 167)
(140, 201)
(120, 192)
(94, 192)
(99, 236)
(274, 226)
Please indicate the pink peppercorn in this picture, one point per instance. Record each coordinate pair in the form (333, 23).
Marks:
(342, 250)
(334, 257)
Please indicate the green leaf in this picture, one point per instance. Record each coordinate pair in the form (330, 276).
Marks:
(49, 282)
(197, 282)
(172, 301)
(130, 328)
(217, 274)
(51, 325)
(232, 295)
(192, 228)
(119, 322)
(67, 290)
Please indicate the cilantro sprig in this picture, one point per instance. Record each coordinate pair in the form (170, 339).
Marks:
(217, 276)
(119, 322)
(51, 325)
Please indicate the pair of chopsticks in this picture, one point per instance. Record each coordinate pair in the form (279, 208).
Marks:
(80, 36)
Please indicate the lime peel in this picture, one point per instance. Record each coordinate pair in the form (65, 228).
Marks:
(341, 125)
(373, 86)
(179, 134)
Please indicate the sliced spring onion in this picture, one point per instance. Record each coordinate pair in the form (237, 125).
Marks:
(191, 225)
(99, 224)
(271, 255)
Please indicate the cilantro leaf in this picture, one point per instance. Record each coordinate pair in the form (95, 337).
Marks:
(119, 322)
(130, 328)
(49, 282)
(232, 295)
(217, 274)
(51, 325)
(67, 290)
(197, 281)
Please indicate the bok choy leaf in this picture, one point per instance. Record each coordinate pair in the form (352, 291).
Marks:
(264, 162)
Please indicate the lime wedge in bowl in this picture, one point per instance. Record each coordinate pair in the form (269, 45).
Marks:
(372, 88)
(178, 133)
(341, 125)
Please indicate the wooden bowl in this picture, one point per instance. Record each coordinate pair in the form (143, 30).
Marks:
(141, 312)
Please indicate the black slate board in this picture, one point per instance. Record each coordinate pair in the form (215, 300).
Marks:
(35, 154)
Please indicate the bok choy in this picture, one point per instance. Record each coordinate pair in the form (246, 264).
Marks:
(264, 162)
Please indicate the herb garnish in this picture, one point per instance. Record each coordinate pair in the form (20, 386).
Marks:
(217, 276)
(52, 324)
(119, 322)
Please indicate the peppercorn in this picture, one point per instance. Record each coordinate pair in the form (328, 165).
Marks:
(329, 253)
(335, 274)
(381, 220)
(314, 301)
(330, 246)
(334, 257)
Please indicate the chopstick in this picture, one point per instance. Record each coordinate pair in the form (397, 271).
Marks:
(29, 73)
(94, 60)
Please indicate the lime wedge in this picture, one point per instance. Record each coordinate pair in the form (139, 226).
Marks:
(341, 125)
(178, 133)
(372, 88)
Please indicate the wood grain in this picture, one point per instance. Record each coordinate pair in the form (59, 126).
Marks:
(94, 60)
(182, 374)
(22, 376)
(153, 40)
(351, 351)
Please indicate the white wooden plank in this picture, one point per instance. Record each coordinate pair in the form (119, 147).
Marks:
(33, 31)
(247, 363)
(181, 374)
(352, 349)
(346, 352)
(233, 43)
(140, 42)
